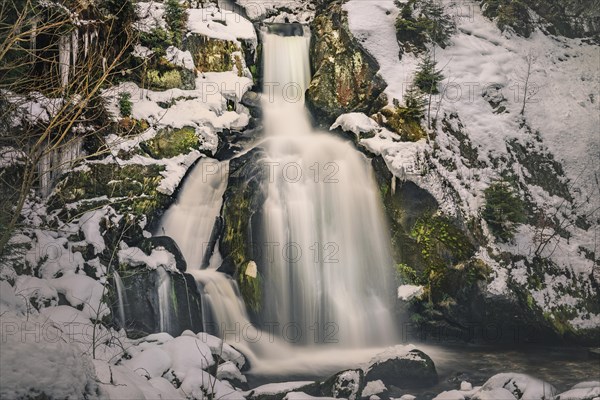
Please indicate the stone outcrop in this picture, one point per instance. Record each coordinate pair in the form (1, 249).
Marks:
(345, 76)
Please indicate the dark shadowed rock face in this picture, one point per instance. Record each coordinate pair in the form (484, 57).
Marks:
(412, 370)
(345, 78)
(242, 204)
(141, 304)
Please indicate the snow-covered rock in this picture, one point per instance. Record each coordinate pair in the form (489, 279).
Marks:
(373, 387)
(402, 366)
(356, 123)
(582, 391)
(38, 359)
(521, 386)
(408, 292)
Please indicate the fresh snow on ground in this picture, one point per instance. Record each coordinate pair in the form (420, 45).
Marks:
(220, 24)
(373, 24)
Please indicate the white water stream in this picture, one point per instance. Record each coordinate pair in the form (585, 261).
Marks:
(332, 272)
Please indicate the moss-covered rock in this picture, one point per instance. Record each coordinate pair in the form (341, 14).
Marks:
(170, 79)
(404, 205)
(128, 188)
(170, 142)
(211, 54)
(250, 287)
(345, 78)
(408, 129)
(241, 212)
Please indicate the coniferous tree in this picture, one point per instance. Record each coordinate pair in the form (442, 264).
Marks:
(428, 76)
(414, 104)
(176, 18)
(503, 210)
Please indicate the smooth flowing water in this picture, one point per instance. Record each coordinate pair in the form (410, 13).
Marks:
(331, 269)
(164, 299)
(191, 219)
(191, 223)
(121, 297)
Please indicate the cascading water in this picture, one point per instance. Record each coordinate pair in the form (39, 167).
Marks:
(121, 297)
(191, 219)
(331, 268)
(330, 275)
(164, 299)
(190, 222)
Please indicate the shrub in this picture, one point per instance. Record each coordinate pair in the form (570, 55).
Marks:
(176, 18)
(441, 244)
(414, 104)
(406, 120)
(157, 40)
(504, 211)
(125, 105)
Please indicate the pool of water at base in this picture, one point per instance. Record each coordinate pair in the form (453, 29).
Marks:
(561, 366)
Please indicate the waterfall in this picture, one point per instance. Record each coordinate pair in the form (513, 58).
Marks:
(331, 275)
(190, 222)
(121, 296)
(164, 300)
(332, 267)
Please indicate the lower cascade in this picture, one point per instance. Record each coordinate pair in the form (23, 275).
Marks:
(329, 277)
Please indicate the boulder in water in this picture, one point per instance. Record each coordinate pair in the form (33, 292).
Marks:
(347, 384)
(404, 369)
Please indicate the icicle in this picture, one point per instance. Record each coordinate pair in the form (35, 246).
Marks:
(64, 50)
(86, 39)
(74, 45)
(34, 37)
(393, 185)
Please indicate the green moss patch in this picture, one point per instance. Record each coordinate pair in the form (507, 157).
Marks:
(172, 142)
(211, 54)
(127, 188)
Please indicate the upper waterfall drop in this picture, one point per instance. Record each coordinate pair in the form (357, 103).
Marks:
(331, 271)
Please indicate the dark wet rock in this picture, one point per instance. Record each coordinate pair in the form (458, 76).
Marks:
(407, 371)
(142, 310)
(403, 205)
(251, 100)
(242, 204)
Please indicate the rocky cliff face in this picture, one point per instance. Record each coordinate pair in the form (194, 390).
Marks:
(345, 75)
